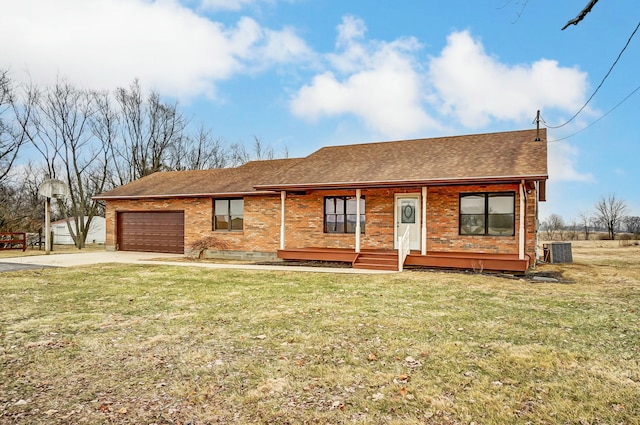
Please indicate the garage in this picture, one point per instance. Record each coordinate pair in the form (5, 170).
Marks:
(151, 231)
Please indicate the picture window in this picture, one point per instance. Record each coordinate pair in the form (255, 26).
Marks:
(487, 214)
(340, 214)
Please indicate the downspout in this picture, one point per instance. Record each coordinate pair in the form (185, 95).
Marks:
(423, 242)
(521, 233)
(283, 196)
(358, 196)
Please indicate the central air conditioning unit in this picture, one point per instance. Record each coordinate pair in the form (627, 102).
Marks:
(557, 252)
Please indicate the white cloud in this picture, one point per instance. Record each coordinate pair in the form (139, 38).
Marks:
(386, 86)
(562, 159)
(378, 82)
(233, 5)
(107, 43)
(264, 47)
(477, 88)
(349, 30)
(229, 5)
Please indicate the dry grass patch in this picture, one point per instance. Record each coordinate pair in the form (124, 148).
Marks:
(174, 345)
(57, 249)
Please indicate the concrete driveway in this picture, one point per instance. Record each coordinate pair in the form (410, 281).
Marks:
(88, 258)
(78, 259)
(125, 257)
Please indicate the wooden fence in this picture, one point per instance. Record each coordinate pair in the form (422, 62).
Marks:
(10, 240)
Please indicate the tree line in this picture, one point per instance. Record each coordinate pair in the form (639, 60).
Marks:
(94, 141)
(609, 216)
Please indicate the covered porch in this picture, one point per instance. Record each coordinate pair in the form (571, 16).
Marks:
(388, 259)
(406, 211)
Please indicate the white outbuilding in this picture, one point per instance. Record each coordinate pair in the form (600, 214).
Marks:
(97, 231)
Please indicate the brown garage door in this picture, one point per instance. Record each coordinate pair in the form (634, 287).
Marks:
(151, 231)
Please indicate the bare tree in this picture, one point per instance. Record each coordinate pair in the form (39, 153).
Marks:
(610, 211)
(104, 125)
(559, 227)
(587, 222)
(572, 229)
(11, 138)
(260, 151)
(632, 225)
(198, 152)
(20, 206)
(553, 224)
(149, 128)
(544, 226)
(60, 129)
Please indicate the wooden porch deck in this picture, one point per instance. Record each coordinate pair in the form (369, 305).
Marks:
(387, 259)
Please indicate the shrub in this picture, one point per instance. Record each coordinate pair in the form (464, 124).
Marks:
(625, 239)
(206, 242)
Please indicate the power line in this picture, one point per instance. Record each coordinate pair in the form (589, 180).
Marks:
(604, 115)
(601, 82)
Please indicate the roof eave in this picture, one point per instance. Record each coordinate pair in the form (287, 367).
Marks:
(184, 195)
(404, 183)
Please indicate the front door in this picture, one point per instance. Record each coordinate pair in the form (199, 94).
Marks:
(407, 214)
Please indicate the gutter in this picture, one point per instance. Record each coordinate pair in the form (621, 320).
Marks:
(184, 195)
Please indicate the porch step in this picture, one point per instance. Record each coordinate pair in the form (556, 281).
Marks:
(376, 261)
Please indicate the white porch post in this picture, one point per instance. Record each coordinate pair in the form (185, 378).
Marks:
(521, 232)
(423, 238)
(358, 196)
(283, 196)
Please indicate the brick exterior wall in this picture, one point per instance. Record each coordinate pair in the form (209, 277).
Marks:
(443, 220)
(261, 221)
(304, 225)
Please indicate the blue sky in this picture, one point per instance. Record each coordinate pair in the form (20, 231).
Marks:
(302, 74)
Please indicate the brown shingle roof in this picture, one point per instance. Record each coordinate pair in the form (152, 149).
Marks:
(494, 156)
(194, 183)
(508, 156)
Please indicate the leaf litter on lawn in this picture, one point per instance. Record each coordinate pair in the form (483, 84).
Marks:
(161, 344)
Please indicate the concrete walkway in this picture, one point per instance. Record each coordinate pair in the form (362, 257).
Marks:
(125, 257)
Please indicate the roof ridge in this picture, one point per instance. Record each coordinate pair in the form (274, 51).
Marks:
(460, 136)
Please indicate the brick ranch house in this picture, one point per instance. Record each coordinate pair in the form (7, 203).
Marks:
(456, 202)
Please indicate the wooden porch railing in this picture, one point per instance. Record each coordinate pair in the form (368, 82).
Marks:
(9, 239)
(404, 247)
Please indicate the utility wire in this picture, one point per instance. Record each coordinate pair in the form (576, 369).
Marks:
(604, 115)
(601, 82)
